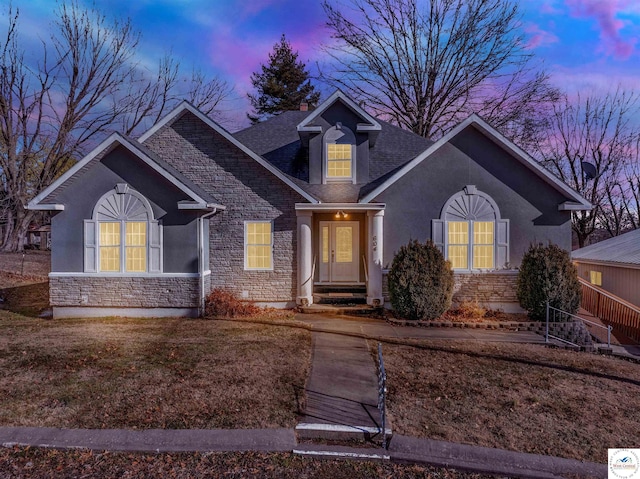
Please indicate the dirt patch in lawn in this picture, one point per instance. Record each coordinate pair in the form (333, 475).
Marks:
(29, 264)
(149, 373)
(514, 396)
(24, 286)
(41, 463)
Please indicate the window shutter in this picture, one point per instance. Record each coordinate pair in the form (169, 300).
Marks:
(90, 247)
(437, 234)
(155, 247)
(502, 243)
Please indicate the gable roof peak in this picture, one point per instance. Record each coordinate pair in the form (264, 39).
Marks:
(200, 198)
(369, 124)
(185, 106)
(575, 201)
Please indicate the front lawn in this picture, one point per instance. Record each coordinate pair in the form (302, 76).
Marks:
(514, 396)
(149, 373)
(45, 464)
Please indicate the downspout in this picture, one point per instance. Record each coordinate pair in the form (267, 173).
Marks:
(201, 255)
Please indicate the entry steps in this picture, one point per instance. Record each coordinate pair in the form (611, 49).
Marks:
(347, 294)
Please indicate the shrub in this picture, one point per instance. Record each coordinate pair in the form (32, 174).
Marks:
(469, 310)
(420, 281)
(547, 274)
(222, 303)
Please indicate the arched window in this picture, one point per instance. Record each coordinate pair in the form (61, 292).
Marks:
(470, 232)
(122, 236)
(339, 154)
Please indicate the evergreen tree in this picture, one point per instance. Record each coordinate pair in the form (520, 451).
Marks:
(281, 85)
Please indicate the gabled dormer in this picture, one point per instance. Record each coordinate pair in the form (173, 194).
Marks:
(338, 135)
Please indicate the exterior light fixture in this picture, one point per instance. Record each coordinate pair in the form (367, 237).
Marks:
(341, 215)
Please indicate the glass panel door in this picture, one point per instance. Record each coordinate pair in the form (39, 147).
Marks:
(339, 252)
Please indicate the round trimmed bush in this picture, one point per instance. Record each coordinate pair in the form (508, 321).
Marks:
(420, 281)
(547, 274)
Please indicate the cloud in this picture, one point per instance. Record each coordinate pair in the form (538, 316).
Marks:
(548, 8)
(538, 37)
(596, 77)
(605, 12)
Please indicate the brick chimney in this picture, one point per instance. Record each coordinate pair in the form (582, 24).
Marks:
(304, 106)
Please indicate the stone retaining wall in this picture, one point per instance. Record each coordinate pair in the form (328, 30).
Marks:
(493, 289)
(124, 292)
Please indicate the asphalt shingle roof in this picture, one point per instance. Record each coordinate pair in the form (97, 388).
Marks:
(277, 141)
(619, 249)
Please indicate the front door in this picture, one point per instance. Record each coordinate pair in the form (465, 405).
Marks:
(339, 251)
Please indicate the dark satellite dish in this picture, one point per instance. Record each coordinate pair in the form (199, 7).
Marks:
(589, 170)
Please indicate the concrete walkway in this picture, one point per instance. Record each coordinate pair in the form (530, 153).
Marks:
(377, 328)
(342, 384)
(402, 449)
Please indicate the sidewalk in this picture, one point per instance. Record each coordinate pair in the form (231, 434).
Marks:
(402, 449)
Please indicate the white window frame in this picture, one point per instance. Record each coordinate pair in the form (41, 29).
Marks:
(123, 246)
(245, 243)
(153, 239)
(348, 139)
(473, 206)
(470, 244)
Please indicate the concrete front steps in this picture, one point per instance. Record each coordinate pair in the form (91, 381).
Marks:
(340, 299)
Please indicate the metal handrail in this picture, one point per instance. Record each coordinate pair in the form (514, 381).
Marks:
(609, 328)
(366, 271)
(382, 396)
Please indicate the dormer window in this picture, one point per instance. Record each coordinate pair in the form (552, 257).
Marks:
(339, 161)
(339, 154)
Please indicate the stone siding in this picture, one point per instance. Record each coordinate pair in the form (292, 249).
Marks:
(492, 288)
(250, 193)
(126, 292)
(484, 288)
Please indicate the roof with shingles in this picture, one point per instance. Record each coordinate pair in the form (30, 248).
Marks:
(278, 142)
(624, 248)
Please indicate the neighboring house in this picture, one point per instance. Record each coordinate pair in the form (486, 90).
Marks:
(38, 237)
(306, 199)
(613, 265)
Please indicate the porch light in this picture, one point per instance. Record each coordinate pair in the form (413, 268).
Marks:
(341, 215)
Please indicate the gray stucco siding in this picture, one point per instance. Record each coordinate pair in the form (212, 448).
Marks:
(530, 204)
(338, 113)
(250, 193)
(99, 177)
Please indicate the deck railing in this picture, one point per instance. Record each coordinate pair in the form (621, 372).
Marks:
(622, 315)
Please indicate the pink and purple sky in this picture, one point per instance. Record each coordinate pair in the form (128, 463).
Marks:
(586, 45)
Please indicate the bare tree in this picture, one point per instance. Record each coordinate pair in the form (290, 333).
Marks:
(428, 64)
(598, 130)
(632, 183)
(149, 97)
(86, 84)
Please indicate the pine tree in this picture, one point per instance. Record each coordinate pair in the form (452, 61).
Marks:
(283, 84)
